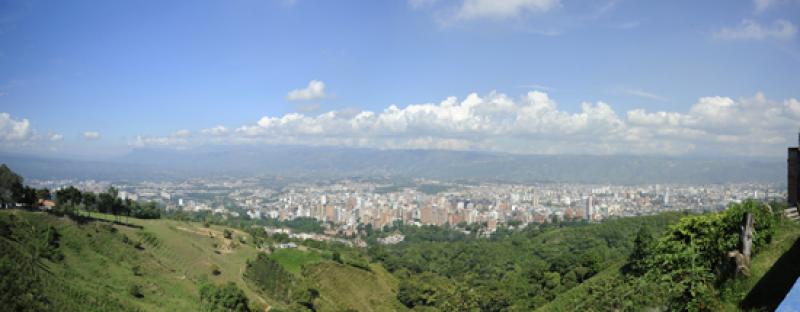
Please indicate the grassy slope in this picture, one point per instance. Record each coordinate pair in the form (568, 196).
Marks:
(97, 268)
(293, 260)
(344, 287)
(771, 270)
(785, 238)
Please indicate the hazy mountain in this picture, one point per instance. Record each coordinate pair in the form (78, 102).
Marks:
(334, 162)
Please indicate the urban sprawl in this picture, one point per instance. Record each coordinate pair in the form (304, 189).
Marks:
(346, 204)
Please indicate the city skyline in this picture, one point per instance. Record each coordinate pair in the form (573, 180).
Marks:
(529, 77)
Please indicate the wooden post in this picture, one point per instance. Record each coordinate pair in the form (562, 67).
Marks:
(746, 237)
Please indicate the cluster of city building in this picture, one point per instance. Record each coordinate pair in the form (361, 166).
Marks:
(346, 204)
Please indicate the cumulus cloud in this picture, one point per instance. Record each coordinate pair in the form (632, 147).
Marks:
(752, 30)
(14, 130)
(533, 123)
(91, 135)
(216, 131)
(16, 133)
(314, 91)
(475, 9)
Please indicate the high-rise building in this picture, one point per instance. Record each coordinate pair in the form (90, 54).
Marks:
(793, 167)
(589, 212)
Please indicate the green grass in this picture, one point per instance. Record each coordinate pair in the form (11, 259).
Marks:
(343, 287)
(97, 271)
(293, 260)
(176, 257)
(772, 271)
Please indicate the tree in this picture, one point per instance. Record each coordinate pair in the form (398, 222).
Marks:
(223, 298)
(43, 194)
(10, 187)
(641, 248)
(336, 257)
(128, 205)
(67, 198)
(29, 197)
(227, 233)
(90, 202)
(110, 202)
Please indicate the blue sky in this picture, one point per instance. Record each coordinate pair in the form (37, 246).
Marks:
(98, 78)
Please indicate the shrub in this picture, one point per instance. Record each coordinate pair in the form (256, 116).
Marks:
(136, 291)
(223, 298)
(137, 270)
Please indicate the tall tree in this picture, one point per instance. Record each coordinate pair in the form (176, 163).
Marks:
(29, 197)
(109, 201)
(68, 198)
(10, 187)
(89, 202)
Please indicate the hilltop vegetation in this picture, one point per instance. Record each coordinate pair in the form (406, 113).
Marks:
(514, 270)
(688, 267)
(168, 265)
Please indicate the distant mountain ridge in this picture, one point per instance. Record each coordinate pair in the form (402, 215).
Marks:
(334, 162)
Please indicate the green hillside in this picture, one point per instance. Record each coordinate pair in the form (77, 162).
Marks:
(160, 265)
(82, 263)
(773, 270)
(344, 287)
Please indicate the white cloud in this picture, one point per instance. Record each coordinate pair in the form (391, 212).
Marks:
(416, 4)
(91, 135)
(216, 131)
(182, 133)
(643, 94)
(532, 123)
(14, 130)
(314, 91)
(752, 30)
(54, 137)
(763, 5)
(497, 9)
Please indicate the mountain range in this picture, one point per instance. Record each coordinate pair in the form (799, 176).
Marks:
(337, 162)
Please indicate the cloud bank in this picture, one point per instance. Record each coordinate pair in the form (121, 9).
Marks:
(532, 123)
